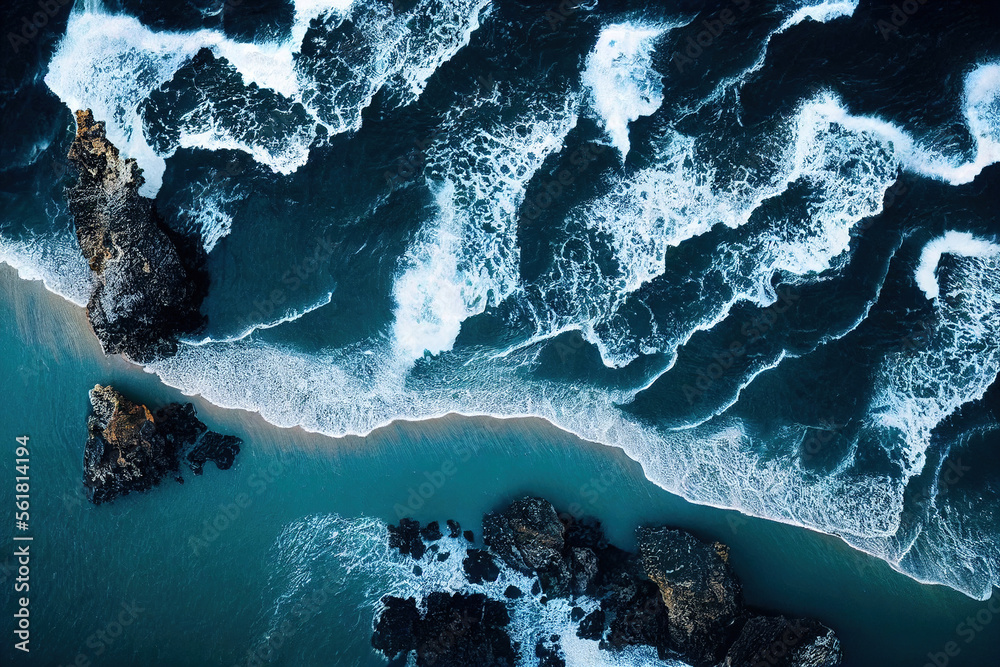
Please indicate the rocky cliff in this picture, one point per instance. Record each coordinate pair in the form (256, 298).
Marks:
(148, 282)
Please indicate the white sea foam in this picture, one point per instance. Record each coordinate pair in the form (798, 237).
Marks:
(952, 243)
(468, 260)
(111, 63)
(620, 77)
(328, 549)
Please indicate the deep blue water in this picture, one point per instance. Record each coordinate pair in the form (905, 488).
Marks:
(753, 244)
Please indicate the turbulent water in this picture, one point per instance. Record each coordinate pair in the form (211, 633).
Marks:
(753, 243)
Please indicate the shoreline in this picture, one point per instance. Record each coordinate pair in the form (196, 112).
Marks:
(369, 444)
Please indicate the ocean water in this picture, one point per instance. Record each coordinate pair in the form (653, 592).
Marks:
(743, 252)
(300, 520)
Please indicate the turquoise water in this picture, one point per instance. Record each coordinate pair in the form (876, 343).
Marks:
(204, 598)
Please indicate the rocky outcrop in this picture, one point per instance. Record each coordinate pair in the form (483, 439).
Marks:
(777, 641)
(130, 448)
(701, 594)
(149, 282)
(456, 630)
(678, 595)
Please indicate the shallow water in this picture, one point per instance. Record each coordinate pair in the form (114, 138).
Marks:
(209, 601)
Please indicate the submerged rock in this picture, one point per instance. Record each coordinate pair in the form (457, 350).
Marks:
(149, 282)
(215, 447)
(130, 448)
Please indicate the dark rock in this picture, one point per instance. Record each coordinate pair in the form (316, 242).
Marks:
(529, 537)
(406, 538)
(549, 655)
(639, 620)
(431, 532)
(702, 595)
(454, 529)
(125, 450)
(592, 626)
(457, 630)
(535, 588)
(470, 537)
(576, 614)
(215, 447)
(583, 566)
(395, 630)
(513, 592)
(149, 282)
(443, 556)
(417, 570)
(777, 641)
(584, 532)
(479, 567)
(131, 449)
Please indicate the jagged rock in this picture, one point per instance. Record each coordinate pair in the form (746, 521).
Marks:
(550, 654)
(469, 537)
(479, 567)
(431, 532)
(149, 282)
(512, 592)
(584, 569)
(638, 620)
(777, 641)
(457, 630)
(530, 538)
(702, 595)
(406, 538)
(592, 626)
(130, 448)
(454, 528)
(215, 447)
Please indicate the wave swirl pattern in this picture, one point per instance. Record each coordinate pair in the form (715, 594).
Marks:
(712, 256)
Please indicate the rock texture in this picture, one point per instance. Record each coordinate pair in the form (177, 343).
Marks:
(701, 594)
(148, 281)
(777, 641)
(456, 630)
(131, 449)
(678, 595)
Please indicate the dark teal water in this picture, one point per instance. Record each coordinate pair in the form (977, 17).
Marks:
(209, 601)
(750, 248)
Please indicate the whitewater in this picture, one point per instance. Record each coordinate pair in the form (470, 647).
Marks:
(465, 261)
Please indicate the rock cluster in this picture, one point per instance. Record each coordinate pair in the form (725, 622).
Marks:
(149, 282)
(130, 448)
(678, 594)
